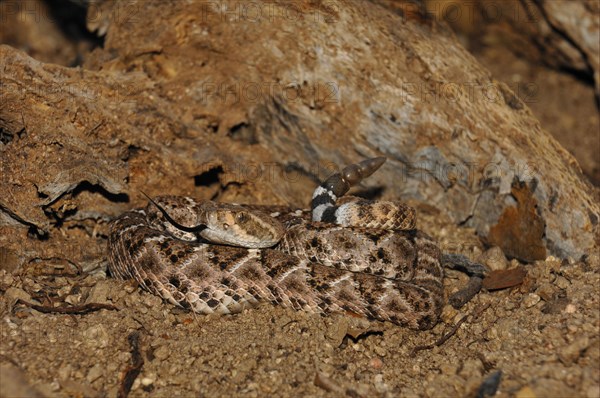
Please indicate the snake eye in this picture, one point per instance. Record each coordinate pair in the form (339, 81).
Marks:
(241, 217)
(225, 226)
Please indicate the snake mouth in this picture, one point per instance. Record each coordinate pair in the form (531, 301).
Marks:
(225, 237)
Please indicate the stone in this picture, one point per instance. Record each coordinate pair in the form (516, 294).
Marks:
(495, 259)
(13, 294)
(530, 300)
(570, 353)
(95, 373)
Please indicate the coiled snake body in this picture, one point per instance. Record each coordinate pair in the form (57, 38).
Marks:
(355, 256)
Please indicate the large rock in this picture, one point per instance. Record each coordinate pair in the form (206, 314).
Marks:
(561, 33)
(257, 101)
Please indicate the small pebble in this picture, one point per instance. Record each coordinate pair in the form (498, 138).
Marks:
(380, 386)
(147, 381)
(546, 291)
(152, 301)
(471, 368)
(376, 363)
(6, 278)
(562, 282)
(73, 299)
(94, 373)
(570, 309)
(449, 314)
(381, 351)
(525, 392)
(360, 374)
(448, 368)
(55, 385)
(530, 300)
(552, 263)
(99, 293)
(162, 352)
(136, 384)
(492, 333)
(96, 336)
(495, 259)
(570, 353)
(64, 373)
(129, 288)
(593, 260)
(14, 293)
(363, 390)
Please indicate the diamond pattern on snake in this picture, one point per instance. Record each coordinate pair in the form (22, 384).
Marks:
(352, 256)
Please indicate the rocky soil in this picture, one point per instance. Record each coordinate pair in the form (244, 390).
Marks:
(542, 336)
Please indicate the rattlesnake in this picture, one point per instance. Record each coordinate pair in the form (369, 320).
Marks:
(355, 256)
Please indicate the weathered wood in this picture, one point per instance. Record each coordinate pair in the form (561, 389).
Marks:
(564, 34)
(255, 103)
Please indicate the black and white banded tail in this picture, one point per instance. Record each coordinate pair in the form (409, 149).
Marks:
(359, 213)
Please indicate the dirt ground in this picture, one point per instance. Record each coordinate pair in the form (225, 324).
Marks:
(541, 338)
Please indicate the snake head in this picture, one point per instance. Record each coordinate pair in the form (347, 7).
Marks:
(238, 226)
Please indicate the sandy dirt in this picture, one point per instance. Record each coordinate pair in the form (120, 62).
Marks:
(542, 336)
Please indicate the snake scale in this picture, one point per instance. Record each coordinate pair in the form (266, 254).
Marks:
(355, 256)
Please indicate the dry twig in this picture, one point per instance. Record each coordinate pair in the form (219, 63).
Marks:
(133, 371)
(475, 314)
(76, 309)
